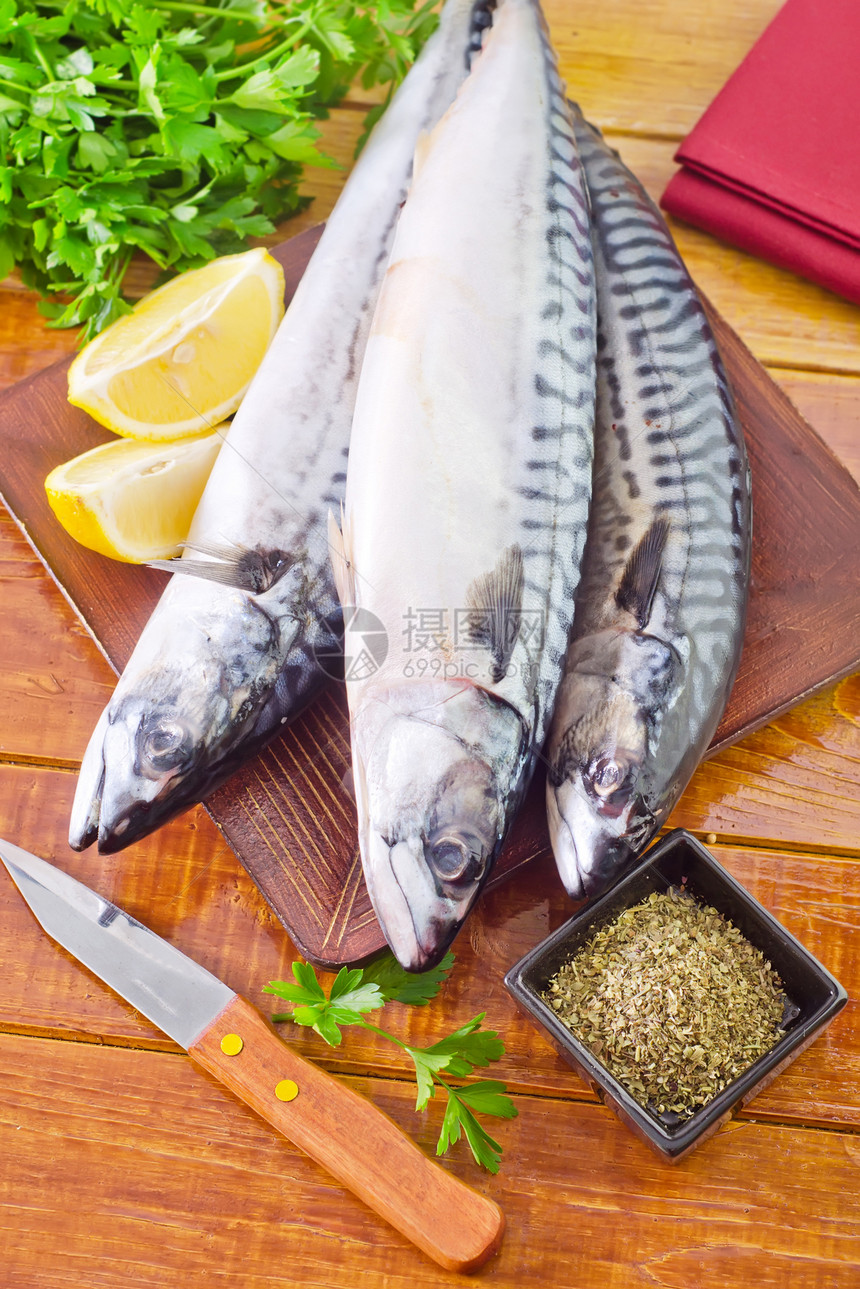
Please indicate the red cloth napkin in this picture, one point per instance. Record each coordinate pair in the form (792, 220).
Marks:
(773, 166)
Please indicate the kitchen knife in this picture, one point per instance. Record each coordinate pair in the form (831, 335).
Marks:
(356, 1142)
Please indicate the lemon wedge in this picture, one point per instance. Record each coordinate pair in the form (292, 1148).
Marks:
(181, 361)
(133, 501)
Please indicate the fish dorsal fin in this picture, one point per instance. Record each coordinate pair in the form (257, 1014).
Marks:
(494, 602)
(641, 574)
(340, 553)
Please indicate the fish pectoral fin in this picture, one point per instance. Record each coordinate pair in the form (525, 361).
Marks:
(494, 604)
(641, 574)
(211, 570)
(227, 552)
(245, 570)
(340, 552)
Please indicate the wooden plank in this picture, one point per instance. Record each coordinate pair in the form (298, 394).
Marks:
(26, 345)
(643, 65)
(186, 884)
(832, 405)
(646, 65)
(54, 681)
(795, 782)
(782, 621)
(649, 66)
(131, 1168)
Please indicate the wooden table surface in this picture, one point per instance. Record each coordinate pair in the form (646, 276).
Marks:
(123, 1166)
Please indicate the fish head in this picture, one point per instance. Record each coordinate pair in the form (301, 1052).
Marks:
(150, 750)
(169, 734)
(436, 787)
(601, 780)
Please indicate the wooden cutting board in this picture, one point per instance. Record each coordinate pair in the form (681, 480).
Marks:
(287, 814)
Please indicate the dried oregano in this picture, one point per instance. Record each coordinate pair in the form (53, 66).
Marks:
(672, 999)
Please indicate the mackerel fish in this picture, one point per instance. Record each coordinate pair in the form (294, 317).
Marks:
(661, 604)
(230, 652)
(468, 487)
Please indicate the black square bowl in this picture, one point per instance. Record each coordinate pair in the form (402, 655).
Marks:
(813, 995)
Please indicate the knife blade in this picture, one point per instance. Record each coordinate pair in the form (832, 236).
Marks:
(360, 1145)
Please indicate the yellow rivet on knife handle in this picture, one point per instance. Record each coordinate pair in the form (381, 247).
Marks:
(231, 1044)
(286, 1090)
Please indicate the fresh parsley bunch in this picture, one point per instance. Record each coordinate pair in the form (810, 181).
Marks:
(360, 990)
(169, 127)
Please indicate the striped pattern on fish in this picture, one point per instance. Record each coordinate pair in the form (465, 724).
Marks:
(661, 604)
(557, 460)
(229, 653)
(468, 484)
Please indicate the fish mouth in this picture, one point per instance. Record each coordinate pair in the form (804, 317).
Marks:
(115, 812)
(122, 828)
(589, 854)
(420, 915)
(128, 812)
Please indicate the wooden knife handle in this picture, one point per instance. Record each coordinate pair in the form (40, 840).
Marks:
(356, 1142)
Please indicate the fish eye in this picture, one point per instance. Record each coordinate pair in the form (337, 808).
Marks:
(454, 860)
(607, 776)
(164, 745)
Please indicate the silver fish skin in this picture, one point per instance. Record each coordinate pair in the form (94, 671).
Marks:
(662, 600)
(229, 653)
(468, 487)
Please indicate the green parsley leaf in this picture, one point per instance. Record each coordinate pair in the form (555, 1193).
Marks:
(488, 1096)
(400, 986)
(357, 991)
(344, 1005)
(427, 1063)
(470, 1046)
(458, 1054)
(459, 1115)
(350, 994)
(178, 112)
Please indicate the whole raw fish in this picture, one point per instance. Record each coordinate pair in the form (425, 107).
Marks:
(229, 653)
(468, 487)
(661, 604)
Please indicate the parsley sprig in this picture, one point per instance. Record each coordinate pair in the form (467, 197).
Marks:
(168, 127)
(357, 991)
